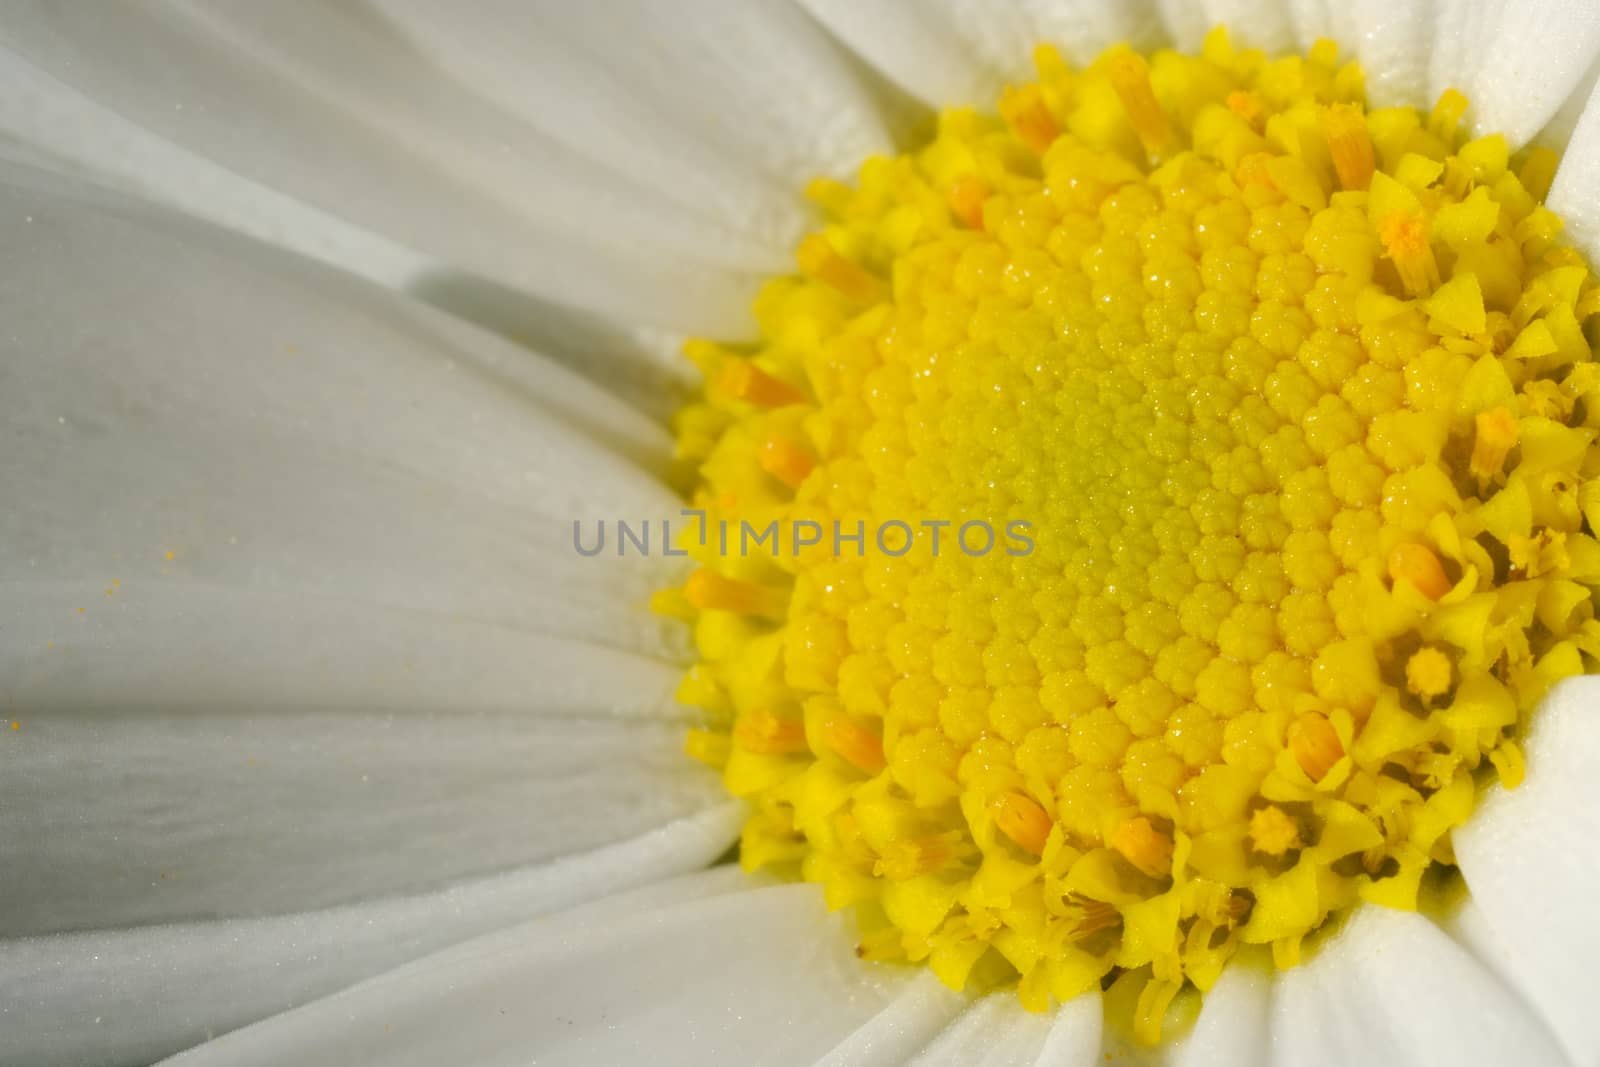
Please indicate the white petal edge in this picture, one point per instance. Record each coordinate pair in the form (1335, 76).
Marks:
(132, 816)
(960, 52)
(1232, 1028)
(760, 977)
(335, 107)
(1391, 41)
(119, 997)
(996, 1031)
(1263, 24)
(1391, 987)
(727, 109)
(922, 1010)
(1572, 193)
(1531, 864)
(91, 140)
(1518, 63)
(1076, 1034)
(273, 537)
(929, 1025)
(56, 127)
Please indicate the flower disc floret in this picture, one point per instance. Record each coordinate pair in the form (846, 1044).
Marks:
(1197, 477)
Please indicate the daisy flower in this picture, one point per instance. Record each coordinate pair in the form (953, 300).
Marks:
(1241, 353)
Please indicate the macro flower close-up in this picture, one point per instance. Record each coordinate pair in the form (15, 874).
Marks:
(800, 532)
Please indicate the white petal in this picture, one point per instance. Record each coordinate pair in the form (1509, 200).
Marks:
(289, 609)
(891, 1037)
(1185, 23)
(132, 996)
(1076, 1035)
(1263, 24)
(290, 430)
(335, 106)
(728, 109)
(130, 816)
(66, 131)
(87, 137)
(1572, 194)
(1391, 987)
(996, 1031)
(960, 52)
(1390, 40)
(1530, 861)
(760, 977)
(1518, 63)
(1232, 1028)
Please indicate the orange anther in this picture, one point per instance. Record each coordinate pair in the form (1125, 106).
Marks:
(1405, 242)
(965, 197)
(1085, 916)
(1130, 77)
(762, 731)
(1497, 435)
(1142, 845)
(1026, 112)
(856, 745)
(785, 461)
(1314, 745)
(1020, 818)
(1252, 170)
(1247, 105)
(817, 258)
(1345, 128)
(901, 860)
(1417, 565)
(710, 591)
(745, 381)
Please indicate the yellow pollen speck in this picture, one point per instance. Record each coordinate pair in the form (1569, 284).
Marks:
(1182, 487)
(15, 725)
(1272, 832)
(1428, 673)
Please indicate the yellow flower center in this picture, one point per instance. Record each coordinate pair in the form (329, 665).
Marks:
(1146, 521)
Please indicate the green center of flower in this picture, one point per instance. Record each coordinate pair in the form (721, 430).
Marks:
(1175, 500)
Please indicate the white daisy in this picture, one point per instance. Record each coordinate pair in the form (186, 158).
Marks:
(323, 323)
